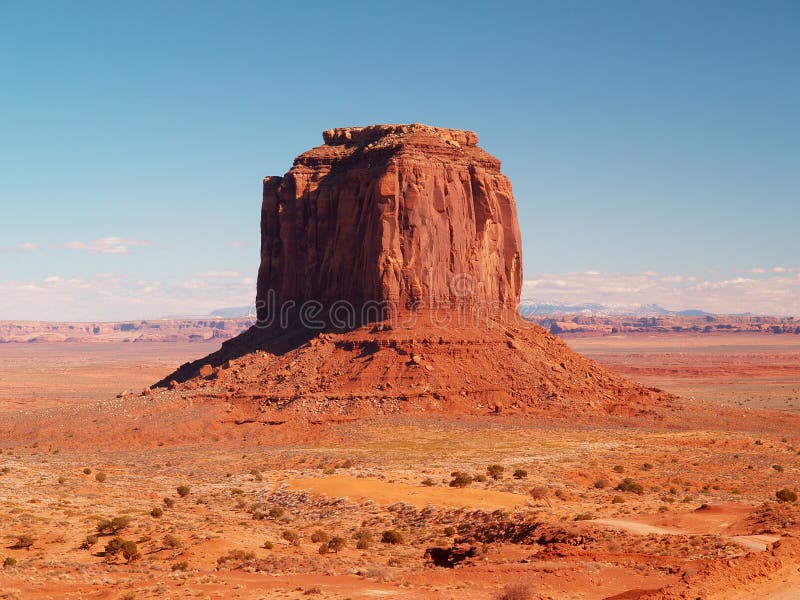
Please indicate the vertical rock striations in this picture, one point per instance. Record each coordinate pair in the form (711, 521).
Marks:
(408, 216)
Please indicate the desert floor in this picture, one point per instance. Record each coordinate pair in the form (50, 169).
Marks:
(695, 515)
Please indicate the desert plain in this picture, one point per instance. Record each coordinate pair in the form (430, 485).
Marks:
(202, 501)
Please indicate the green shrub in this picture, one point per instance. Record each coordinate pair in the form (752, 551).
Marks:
(460, 479)
(114, 525)
(113, 547)
(24, 542)
(291, 537)
(495, 471)
(392, 536)
(319, 536)
(629, 485)
(130, 552)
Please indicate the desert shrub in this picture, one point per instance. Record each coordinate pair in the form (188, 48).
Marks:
(113, 547)
(539, 493)
(479, 478)
(180, 566)
(268, 545)
(9, 562)
(312, 591)
(520, 474)
(236, 555)
(336, 543)
(560, 494)
(130, 552)
(618, 469)
(516, 591)
(601, 484)
(786, 495)
(617, 500)
(90, 541)
(427, 482)
(169, 502)
(276, 512)
(319, 536)
(257, 476)
(101, 477)
(156, 512)
(460, 479)
(363, 538)
(647, 467)
(778, 468)
(114, 525)
(258, 515)
(291, 537)
(62, 480)
(629, 485)
(584, 516)
(183, 490)
(495, 471)
(87, 471)
(171, 541)
(5, 470)
(759, 443)
(348, 464)
(392, 536)
(449, 531)
(24, 542)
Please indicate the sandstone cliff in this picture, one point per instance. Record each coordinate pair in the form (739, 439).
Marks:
(416, 218)
(408, 216)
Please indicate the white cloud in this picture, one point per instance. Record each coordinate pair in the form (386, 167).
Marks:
(113, 296)
(107, 245)
(776, 293)
(221, 274)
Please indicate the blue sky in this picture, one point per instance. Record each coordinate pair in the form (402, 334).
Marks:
(654, 147)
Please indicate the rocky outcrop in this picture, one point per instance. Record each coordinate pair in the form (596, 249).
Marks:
(420, 221)
(406, 216)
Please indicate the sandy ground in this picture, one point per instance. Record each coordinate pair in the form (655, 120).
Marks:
(697, 517)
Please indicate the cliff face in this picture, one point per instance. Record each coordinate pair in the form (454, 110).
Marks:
(409, 216)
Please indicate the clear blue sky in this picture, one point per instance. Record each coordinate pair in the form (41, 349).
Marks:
(640, 136)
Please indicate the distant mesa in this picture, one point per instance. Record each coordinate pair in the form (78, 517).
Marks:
(403, 242)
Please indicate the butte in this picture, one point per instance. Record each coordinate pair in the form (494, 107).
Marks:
(389, 282)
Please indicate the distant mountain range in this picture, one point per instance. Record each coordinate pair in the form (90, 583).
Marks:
(233, 312)
(532, 308)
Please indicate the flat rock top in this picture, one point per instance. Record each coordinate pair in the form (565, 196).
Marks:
(367, 135)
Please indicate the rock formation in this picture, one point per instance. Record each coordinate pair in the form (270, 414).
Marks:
(404, 216)
(417, 220)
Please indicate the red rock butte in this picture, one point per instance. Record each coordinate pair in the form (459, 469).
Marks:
(402, 216)
(419, 222)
